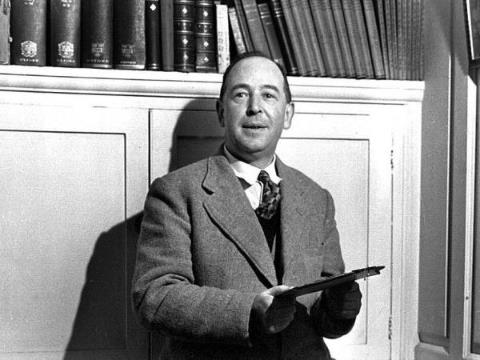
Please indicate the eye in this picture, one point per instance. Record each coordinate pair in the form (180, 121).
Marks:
(269, 96)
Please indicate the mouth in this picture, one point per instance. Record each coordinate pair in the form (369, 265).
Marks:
(254, 126)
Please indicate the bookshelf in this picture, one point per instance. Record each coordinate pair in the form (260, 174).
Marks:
(126, 127)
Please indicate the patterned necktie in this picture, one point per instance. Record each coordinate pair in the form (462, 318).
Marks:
(270, 197)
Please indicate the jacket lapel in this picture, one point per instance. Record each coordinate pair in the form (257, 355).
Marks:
(229, 208)
(292, 220)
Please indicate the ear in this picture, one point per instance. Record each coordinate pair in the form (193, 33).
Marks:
(219, 106)
(289, 111)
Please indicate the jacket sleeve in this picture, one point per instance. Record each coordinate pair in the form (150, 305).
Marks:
(165, 295)
(325, 325)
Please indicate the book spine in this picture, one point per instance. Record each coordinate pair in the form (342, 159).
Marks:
(4, 32)
(343, 40)
(391, 24)
(223, 38)
(236, 31)
(184, 35)
(97, 34)
(255, 27)
(374, 39)
(166, 34)
(354, 39)
(242, 21)
(152, 35)
(29, 32)
(271, 35)
(282, 31)
(205, 37)
(359, 19)
(380, 14)
(65, 30)
(294, 38)
(333, 61)
(129, 34)
(401, 38)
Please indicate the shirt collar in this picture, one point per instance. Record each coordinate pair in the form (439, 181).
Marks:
(248, 172)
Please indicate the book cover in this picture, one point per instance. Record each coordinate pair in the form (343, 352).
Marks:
(255, 28)
(343, 40)
(271, 35)
(223, 38)
(380, 15)
(327, 37)
(97, 33)
(242, 21)
(184, 35)
(129, 34)
(65, 32)
(166, 34)
(152, 35)
(295, 37)
(4, 32)
(374, 39)
(236, 31)
(205, 37)
(353, 32)
(28, 23)
(282, 32)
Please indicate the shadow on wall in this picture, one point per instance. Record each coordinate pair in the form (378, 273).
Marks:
(100, 323)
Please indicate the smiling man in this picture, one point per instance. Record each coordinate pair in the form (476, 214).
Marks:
(221, 238)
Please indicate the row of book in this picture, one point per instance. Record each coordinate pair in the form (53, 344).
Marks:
(375, 39)
(168, 35)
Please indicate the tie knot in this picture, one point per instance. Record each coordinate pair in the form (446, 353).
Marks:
(263, 177)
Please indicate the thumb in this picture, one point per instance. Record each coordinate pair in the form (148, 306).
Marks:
(277, 290)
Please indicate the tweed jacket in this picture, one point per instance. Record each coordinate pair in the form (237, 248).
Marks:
(202, 257)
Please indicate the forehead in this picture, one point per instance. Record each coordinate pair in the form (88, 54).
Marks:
(255, 71)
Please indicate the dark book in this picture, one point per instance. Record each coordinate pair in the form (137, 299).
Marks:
(4, 32)
(417, 36)
(354, 37)
(294, 35)
(29, 32)
(327, 37)
(282, 32)
(129, 34)
(223, 37)
(360, 21)
(242, 21)
(391, 25)
(313, 68)
(255, 28)
(374, 39)
(380, 15)
(343, 40)
(166, 34)
(152, 35)
(205, 37)
(97, 33)
(65, 33)
(270, 33)
(236, 31)
(184, 35)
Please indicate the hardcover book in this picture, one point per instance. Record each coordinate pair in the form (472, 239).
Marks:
(242, 21)
(223, 38)
(65, 45)
(343, 40)
(97, 33)
(354, 38)
(236, 31)
(152, 35)
(29, 32)
(129, 34)
(374, 39)
(359, 19)
(166, 34)
(4, 32)
(184, 35)
(380, 14)
(271, 35)
(255, 28)
(391, 25)
(282, 31)
(294, 35)
(205, 37)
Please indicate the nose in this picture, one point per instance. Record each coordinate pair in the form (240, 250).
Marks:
(253, 105)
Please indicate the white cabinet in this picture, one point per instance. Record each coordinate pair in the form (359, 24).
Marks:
(78, 175)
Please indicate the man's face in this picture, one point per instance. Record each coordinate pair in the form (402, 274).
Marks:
(254, 110)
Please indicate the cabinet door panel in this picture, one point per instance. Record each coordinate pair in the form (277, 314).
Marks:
(347, 153)
(68, 235)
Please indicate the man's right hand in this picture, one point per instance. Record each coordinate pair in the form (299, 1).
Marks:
(272, 314)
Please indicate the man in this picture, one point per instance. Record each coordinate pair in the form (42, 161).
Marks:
(221, 239)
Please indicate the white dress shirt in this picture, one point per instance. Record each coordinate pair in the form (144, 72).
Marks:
(249, 174)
